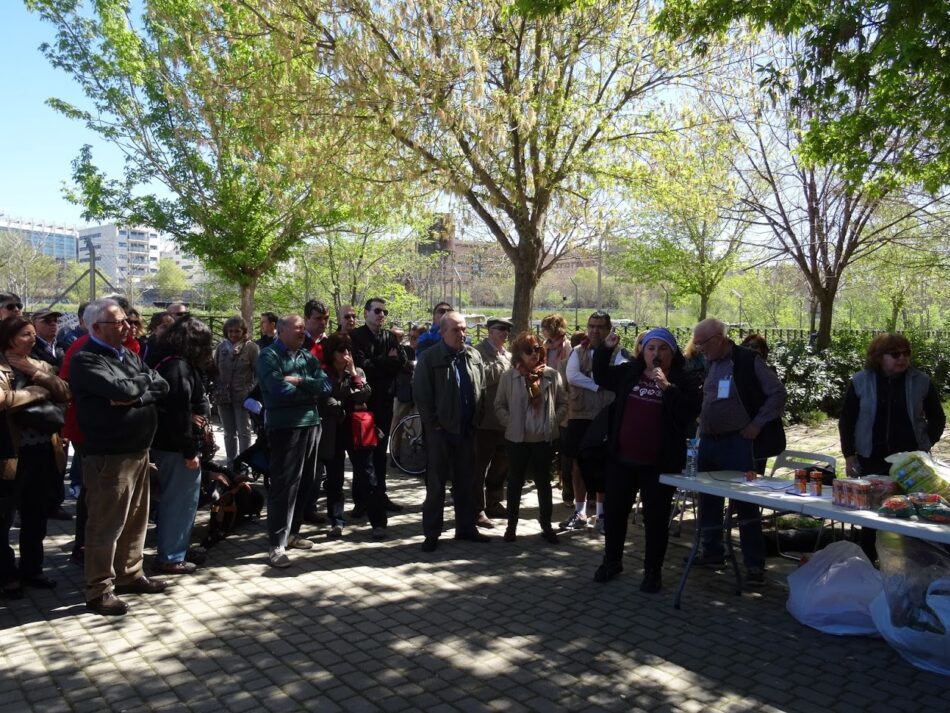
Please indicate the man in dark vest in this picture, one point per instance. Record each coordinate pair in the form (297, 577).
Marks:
(740, 422)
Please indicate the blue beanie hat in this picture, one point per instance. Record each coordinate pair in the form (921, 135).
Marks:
(662, 334)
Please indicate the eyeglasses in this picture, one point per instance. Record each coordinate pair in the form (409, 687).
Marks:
(50, 320)
(134, 322)
(380, 310)
(14, 305)
(899, 353)
(706, 340)
(113, 321)
(502, 328)
(533, 350)
(349, 316)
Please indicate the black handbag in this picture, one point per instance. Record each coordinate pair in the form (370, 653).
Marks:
(45, 416)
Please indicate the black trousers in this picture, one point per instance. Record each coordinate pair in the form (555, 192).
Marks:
(491, 466)
(293, 458)
(383, 415)
(533, 458)
(449, 457)
(623, 482)
(366, 489)
(28, 492)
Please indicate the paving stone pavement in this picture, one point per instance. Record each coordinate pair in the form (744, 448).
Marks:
(357, 625)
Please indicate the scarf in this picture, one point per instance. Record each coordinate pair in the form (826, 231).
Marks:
(532, 380)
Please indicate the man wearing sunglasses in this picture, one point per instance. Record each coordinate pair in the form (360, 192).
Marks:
(46, 324)
(740, 424)
(10, 305)
(376, 351)
(491, 463)
(346, 319)
(432, 336)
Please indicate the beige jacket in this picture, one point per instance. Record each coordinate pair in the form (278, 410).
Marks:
(495, 366)
(45, 385)
(511, 403)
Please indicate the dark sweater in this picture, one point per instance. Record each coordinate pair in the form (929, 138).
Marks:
(186, 397)
(97, 377)
(681, 404)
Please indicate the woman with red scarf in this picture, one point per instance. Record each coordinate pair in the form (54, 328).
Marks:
(530, 403)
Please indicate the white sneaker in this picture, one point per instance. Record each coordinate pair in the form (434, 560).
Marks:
(575, 522)
(296, 542)
(277, 557)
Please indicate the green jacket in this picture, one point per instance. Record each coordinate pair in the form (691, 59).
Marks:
(436, 392)
(289, 405)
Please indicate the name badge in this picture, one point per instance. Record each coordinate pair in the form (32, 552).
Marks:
(723, 392)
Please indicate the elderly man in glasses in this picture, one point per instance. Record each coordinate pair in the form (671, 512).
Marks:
(115, 396)
(740, 424)
(46, 324)
(449, 388)
(376, 351)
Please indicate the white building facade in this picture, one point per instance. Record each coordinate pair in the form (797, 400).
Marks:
(124, 255)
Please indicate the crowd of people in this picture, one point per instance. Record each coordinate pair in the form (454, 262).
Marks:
(134, 404)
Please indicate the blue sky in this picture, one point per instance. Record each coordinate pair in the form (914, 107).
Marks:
(37, 144)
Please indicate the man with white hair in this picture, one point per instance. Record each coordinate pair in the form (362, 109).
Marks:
(449, 388)
(115, 396)
(740, 422)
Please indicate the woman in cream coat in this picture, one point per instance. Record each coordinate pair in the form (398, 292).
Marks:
(530, 403)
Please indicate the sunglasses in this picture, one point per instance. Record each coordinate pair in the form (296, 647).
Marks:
(14, 305)
(50, 320)
(349, 316)
(533, 350)
(134, 322)
(502, 328)
(898, 354)
(380, 310)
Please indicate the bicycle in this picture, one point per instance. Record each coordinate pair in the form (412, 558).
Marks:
(407, 445)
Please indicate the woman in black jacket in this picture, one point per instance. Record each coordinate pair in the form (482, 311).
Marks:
(656, 406)
(186, 350)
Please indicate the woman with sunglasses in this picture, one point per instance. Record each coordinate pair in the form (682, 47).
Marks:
(530, 403)
(27, 457)
(889, 407)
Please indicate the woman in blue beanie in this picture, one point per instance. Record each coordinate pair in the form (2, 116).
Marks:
(655, 410)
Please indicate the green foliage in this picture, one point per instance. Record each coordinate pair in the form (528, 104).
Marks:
(893, 54)
(807, 376)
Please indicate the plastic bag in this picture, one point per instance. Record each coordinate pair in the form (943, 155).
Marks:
(912, 612)
(919, 471)
(833, 591)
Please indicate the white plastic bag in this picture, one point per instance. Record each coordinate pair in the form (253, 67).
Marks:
(921, 648)
(833, 591)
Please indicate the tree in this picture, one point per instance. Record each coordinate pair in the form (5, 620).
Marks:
(685, 233)
(519, 117)
(26, 270)
(171, 280)
(207, 112)
(814, 214)
(893, 54)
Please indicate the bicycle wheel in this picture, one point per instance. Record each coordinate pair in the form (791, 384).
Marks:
(407, 445)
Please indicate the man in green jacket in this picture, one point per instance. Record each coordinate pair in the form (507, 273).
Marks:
(449, 386)
(291, 382)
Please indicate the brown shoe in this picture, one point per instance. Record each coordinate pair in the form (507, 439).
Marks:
(107, 605)
(483, 521)
(142, 585)
(175, 567)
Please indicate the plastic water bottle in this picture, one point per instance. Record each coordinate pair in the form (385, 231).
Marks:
(692, 457)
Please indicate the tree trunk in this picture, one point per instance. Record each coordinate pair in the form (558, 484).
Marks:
(826, 306)
(247, 299)
(526, 280)
(703, 307)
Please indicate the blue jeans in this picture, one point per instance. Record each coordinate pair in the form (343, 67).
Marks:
(178, 487)
(731, 452)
